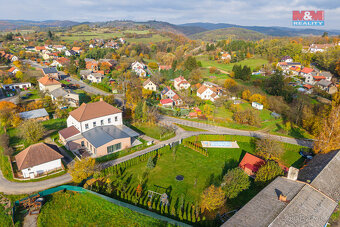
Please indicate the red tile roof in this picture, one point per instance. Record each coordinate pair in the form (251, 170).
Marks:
(251, 162)
(48, 81)
(93, 110)
(166, 101)
(307, 70)
(308, 86)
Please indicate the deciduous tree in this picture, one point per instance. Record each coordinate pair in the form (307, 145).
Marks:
(268, 172)
(212, 198)
(234, 182)
(82, 169)
(269, 149)
(32, 131)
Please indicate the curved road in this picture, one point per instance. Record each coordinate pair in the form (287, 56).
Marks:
(9, 187)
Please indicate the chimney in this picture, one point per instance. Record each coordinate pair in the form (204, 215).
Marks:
(293, 173)
(283, 198)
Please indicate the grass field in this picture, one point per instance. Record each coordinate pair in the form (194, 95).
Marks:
(85, 209)
(188, 128)
(100, 34)
(5, 219)
(251, 62)
(199, 171)
(155, 131)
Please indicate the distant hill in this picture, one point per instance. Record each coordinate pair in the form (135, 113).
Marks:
(224, 33)
(19, 24)
(272, 31)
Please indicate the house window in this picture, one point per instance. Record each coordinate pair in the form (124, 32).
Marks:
(82, 143)
(86, 126)
(102, 122)
(90, 147)
(116, 118)
(94, 124)
(95, 151)
(113, 148)
(109, 120)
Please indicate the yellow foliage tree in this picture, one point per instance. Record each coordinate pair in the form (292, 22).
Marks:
(229, 83)
(246, 94)
(260, 99)
(8, 81)
(212, 198)
(82, 169)
(146, 93)
(15, 120)
(329, 138)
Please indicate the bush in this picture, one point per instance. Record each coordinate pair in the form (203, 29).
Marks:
(268, 172)
(234, 182)
(150, 164)
(249, 117)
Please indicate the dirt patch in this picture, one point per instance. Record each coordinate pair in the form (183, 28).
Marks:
(30, 220)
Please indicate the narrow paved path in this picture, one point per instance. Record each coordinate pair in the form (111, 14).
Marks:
(210, 129)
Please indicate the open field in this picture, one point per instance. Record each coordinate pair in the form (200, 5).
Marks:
(188, 128)
(85, 209)
(251, 62)
(100, 34)
(155, 131)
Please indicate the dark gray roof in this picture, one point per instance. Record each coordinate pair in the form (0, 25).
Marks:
(33, 114)
(85, 72)
(328, 180)
(59, 92)
(324, 83)
(102, 135)
(308, 208)
(326, 74)
(265, 206)
(50, 70)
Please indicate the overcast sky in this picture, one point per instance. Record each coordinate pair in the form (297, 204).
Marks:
(242, 12)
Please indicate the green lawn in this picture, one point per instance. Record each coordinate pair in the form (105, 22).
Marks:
(5, 219)
(198, 171)
(35, 94)
(251, 62)
(85, 209)
(155, 131)
(188, 128)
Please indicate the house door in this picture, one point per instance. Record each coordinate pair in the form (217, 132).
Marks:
(82, 143)
(31, 175)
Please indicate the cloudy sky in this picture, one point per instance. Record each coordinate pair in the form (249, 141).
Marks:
(242, 12)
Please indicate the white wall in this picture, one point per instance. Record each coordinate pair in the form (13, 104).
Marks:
(81, 125)
(48, 166)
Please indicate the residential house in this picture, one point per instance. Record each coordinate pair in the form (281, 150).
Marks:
(177, 100)
(257, 105)
(164, 67)
(149, 85)
(313, 78)
(39, 48)
(91, 64)
(70, 53)
(13, 70)
(51, 72)
(60, 62)
(307, 197)
(95, 77)
(327, 86)
(295, 70)
(39, 115)
(139, 68)
(196, 112)
(181, 83)
(326, 74)
(78, 50)
(85, 73)
(167, 102)
(208, 93)
(48, 84)
(24, 85)
(313, 48)
(98, 128)
(225, 56)
(122, 40)
(65, 95)
(286, 59)
(251, 164)
(9, 57)
(167, 92)
(38, 159)
(59, 47)
(306, 71)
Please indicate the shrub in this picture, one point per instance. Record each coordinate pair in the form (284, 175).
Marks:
(150, 164)
(268, 172)
(234, 182)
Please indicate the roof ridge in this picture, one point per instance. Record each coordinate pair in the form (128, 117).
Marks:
(85, 105)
